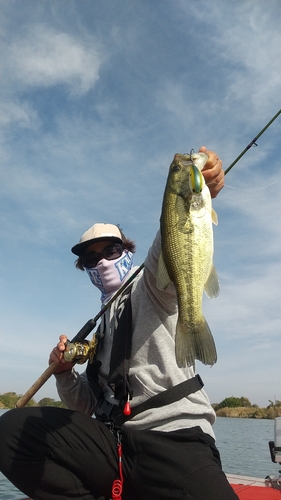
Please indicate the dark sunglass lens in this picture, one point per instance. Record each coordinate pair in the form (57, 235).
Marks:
(109, 253)
(112, 252)
(90, 260)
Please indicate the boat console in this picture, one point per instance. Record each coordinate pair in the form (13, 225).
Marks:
(275, 453)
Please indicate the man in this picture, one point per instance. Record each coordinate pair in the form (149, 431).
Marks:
(150, 450)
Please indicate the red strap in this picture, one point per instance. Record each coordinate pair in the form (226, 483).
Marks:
(117, 485)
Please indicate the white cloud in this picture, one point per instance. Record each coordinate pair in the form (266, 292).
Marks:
(21, 113)
(45, 57)
(247, 309)
(241, 44)
(258, 202)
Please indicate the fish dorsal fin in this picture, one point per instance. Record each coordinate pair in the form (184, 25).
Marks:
(162, 279)
(215, 219)
(212, 286)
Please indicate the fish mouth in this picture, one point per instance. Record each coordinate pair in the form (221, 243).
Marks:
(197, 159)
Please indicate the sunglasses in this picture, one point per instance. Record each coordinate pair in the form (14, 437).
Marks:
(109, 253)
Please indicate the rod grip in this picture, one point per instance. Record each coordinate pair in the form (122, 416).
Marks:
(85, 330)
(81, 335)
(37, 385)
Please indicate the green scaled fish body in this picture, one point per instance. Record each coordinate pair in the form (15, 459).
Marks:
(186, 256)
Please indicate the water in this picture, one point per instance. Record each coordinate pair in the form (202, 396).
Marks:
(243, 446)
(242, 442)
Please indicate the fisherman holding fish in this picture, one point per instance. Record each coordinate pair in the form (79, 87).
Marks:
(152, 435)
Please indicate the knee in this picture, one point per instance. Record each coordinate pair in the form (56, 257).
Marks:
(6, 430)
(11, 424)
(5, 426)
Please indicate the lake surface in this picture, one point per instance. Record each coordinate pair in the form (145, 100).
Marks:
(242, 442)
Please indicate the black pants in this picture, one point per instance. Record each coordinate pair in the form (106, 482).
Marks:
(52, 453)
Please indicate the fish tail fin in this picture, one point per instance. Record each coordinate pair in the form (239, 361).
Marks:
(195, 343)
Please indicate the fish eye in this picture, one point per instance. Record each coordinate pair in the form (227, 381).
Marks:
(176, 168)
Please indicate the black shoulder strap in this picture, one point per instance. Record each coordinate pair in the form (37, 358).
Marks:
(120, 353)
(93, 367)
(170, 396)
(121, 349)
(109, 413)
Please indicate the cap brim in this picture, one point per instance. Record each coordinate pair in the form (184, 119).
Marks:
(80, 248)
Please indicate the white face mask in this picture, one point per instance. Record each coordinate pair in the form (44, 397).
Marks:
(108, 275)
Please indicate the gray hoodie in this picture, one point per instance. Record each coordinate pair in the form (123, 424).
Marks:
(153, 366)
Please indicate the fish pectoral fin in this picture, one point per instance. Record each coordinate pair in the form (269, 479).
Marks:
(215, 219)
(195, 343)
(162, 278)
(212, 285)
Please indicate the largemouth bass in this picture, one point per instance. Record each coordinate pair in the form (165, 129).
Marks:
(186, 256)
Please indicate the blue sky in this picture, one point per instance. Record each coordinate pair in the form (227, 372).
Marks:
(97, 97)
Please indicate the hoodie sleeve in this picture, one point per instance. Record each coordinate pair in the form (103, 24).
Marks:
(165, 299)
(75, 391)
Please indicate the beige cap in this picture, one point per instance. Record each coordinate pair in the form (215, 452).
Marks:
(98, 232)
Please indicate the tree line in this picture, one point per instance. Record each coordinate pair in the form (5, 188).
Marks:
(8, 400)
(243, 408)
(229, 407)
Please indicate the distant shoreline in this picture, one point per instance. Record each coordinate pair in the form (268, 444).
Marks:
(253, 412)
(240, 412)
(227, 408)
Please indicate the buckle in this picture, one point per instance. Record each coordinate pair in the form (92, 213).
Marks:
(107, 412)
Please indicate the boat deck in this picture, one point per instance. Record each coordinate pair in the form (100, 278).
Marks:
(247, 488)
(252, 488)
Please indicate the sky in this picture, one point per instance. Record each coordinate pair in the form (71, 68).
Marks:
(96, 98)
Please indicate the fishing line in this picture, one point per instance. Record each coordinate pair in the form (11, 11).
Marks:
(254, 189)
(252, 143)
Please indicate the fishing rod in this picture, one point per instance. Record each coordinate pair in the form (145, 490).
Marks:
(90, 325)
(79, 337)
(252, 143)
